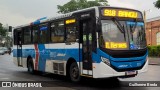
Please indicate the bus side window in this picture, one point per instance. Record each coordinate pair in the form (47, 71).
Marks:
(43, 33)
(15, 37)
(71, 34)
(57, 32)
(27, 35)
(35, 34)
(18, 36)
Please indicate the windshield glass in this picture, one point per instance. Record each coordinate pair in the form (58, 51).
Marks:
(136, 35)
(123, 35)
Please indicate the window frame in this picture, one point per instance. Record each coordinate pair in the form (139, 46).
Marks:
(15, 37)
(157, 38)
(50, 30)
(76, 32)
(47, 35)
(29, 28)
(32, 38)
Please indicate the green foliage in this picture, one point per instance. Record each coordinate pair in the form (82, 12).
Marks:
(157, 4)
(2, 30)
(74, 5)
(154, 51)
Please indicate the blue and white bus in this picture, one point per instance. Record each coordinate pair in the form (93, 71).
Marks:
(96, 42)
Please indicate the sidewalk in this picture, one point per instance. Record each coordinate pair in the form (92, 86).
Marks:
(154, 60)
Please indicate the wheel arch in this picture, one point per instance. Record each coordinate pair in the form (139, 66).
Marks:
(68, 64)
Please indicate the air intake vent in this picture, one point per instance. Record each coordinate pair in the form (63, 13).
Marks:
(58, 68)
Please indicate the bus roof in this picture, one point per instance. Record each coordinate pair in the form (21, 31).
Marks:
(69, 14)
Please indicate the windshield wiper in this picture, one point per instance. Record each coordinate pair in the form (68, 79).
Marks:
(120, 27)
(134, 27)
(124, 33)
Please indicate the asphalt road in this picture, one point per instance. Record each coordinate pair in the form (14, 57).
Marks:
(10, 72)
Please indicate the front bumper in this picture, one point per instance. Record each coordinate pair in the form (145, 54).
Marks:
(101, 70)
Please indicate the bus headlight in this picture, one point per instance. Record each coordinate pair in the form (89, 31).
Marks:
(105, 60)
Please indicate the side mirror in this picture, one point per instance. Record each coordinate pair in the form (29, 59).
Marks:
(98, 28)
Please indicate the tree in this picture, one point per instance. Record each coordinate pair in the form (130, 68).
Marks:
(2, 30)
(74, 5)
(3, 33)
(157, 4)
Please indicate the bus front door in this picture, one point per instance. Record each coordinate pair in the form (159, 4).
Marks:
(86, 32)
(19, 48)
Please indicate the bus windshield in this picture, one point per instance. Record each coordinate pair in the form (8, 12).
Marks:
(123, 35)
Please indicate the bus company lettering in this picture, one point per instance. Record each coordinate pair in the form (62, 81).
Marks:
(85, 15)
(115, 45)
(61, 54)
(53, 54)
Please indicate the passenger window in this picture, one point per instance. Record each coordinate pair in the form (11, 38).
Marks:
(27, 35)
(71, 34)
(57, 32)
(43, 33)
(35, 34)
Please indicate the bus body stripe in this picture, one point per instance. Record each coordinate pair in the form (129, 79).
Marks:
(36, 57)
(42, 57)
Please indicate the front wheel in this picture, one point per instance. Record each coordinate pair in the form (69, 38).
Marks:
(74, 72)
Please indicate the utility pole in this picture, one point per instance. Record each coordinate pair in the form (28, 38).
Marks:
(7, 36)
(145, 22)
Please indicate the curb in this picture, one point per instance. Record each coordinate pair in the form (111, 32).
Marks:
(153, 64)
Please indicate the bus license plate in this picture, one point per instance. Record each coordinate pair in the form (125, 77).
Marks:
(131, 72)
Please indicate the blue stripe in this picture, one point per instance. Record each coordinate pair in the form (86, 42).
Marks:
(65, 54)
(42, 57)
(51, 54)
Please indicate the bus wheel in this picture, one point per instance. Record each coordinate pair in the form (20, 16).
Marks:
(74, 72)
(30, 66)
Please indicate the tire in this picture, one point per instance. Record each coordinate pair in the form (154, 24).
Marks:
(74, 72)
(30, 66)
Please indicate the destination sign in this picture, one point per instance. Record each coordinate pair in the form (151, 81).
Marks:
(116, 45)
(121, 13)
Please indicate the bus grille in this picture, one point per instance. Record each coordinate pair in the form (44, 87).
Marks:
(58, 68)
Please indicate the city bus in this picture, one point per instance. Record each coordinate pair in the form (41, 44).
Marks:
(96, 42)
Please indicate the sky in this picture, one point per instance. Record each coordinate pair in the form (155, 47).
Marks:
(19, 12)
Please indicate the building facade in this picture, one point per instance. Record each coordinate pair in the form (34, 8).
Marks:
(153, 31)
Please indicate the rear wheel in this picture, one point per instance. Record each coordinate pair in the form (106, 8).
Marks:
(74, 72)
(30, 66)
